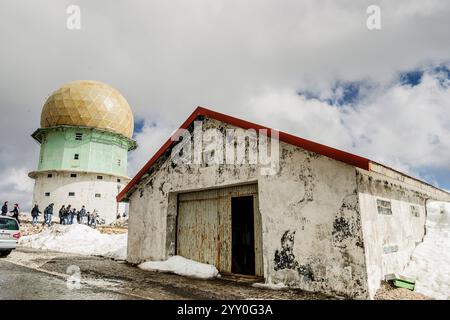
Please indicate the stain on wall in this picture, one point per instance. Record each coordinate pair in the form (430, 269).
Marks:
(346, 225)
(306, 272)
(284, 258)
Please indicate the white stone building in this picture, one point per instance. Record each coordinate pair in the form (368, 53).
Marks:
(327, 221)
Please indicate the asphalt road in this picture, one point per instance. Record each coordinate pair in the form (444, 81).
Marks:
(21, 283)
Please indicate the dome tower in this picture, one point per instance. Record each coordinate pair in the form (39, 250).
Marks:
(85, 135)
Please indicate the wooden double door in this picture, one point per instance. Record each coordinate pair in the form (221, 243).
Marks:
(222, 227)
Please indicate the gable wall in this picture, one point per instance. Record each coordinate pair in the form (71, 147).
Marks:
(311, 226)
(389, 240)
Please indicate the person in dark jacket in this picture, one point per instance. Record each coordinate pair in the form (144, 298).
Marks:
(48, 213)
(67, 214)
(94, 216)
(61, 214)
(72, 214)
(82, 214)
(35, 214)
(5, 208)
(15, 212)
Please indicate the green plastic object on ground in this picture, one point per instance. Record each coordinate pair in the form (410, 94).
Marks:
(404, 284)
(401, 281)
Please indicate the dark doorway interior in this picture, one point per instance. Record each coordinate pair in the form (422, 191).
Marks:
(243, 236)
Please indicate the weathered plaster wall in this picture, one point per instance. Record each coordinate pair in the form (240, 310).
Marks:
(432, 192)
(390, 239)
(311, 222)
(85, 185)
(311, 227)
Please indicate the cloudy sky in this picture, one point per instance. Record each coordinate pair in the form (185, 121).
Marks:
(310, 68)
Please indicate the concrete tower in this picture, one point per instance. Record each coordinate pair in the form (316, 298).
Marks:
(85, 136)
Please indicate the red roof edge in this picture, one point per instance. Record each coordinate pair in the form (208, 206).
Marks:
(330, 152)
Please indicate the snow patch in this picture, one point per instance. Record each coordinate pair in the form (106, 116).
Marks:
(430, 261)
(182, 266)
(78, 239)
(269, 285)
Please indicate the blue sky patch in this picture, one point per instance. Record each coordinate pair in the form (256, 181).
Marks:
(439, 176)
(346, 93)
(138, 125)
(411, 78)
(414, 77)
(342, 93)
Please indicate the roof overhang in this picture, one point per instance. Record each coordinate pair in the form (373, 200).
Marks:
(39, 134)
(315, 147)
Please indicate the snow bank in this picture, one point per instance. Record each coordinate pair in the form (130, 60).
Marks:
(269, 285)
(79, 239)
(183, 267)
(430, 262)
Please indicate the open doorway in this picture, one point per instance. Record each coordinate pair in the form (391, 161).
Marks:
(243, 236)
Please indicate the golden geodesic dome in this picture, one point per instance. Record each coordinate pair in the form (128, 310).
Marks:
(88, 103)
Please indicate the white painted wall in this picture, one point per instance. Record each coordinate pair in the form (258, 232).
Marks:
(313, 197)
(85, 186)
(380, 231)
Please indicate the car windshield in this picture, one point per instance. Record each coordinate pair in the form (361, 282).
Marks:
(8, 224)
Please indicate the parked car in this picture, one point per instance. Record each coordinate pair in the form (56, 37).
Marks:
(9, 235)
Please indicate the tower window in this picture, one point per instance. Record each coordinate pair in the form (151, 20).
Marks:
(49, 175)
(71, 194)
(118, 180)
(99, 177)
(73, 175)
(47, 194)
(76, 156)
(118, 162)
(98, 195)
(78, 136)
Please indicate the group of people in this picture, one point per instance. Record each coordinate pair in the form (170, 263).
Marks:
(67, 215)
(14, 211)
(48, 212)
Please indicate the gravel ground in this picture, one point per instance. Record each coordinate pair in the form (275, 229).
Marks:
(388, 291)
(112, 230)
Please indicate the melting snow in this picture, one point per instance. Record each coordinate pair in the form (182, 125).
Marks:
(430, 262)
(182, 266)
(269, 285)
(78, 239)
